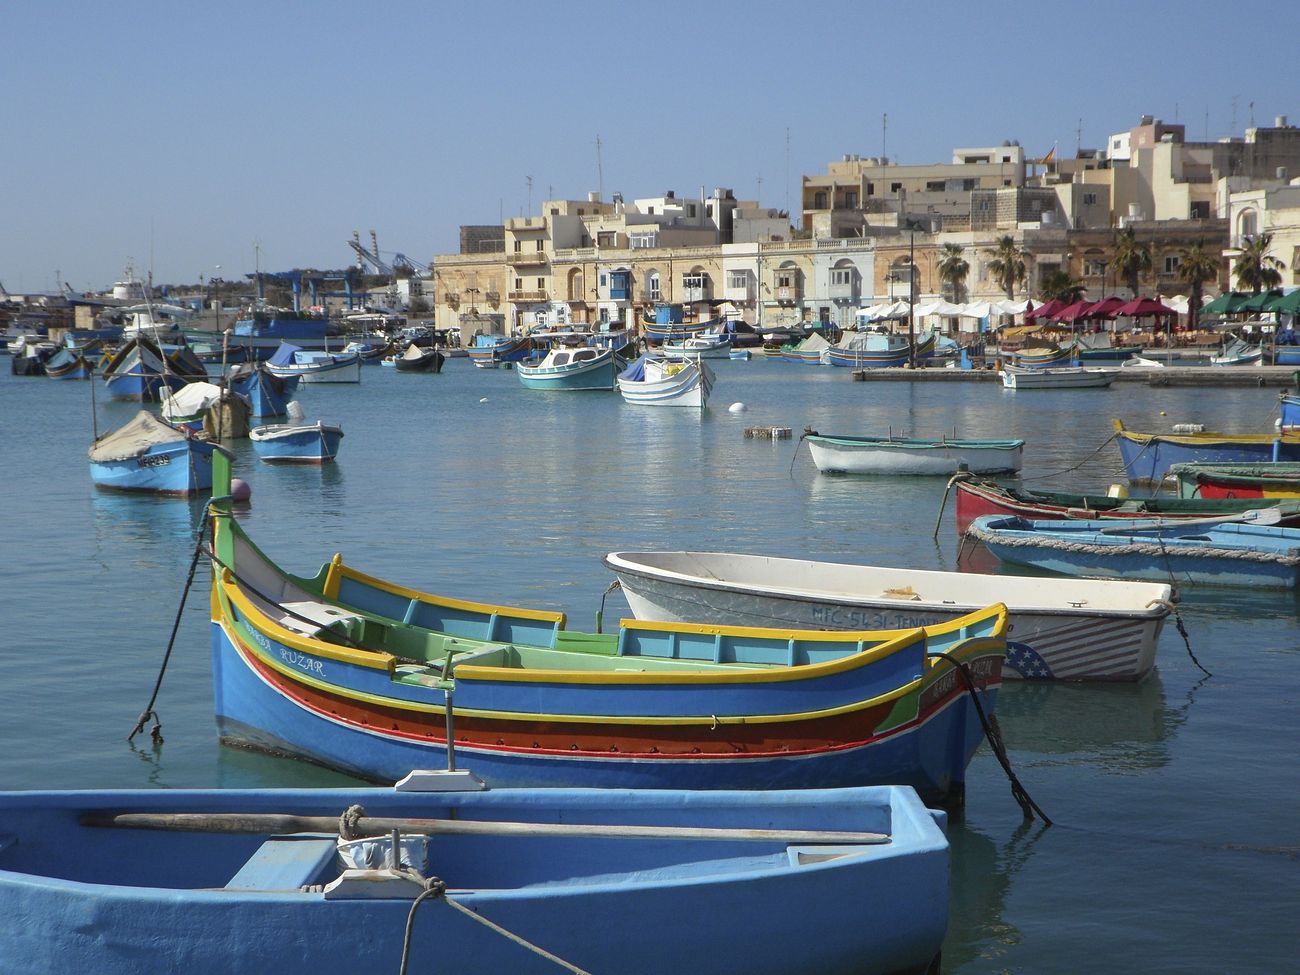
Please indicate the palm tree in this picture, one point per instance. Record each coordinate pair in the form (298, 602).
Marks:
(1059, 285)
(1131, 258)
(1255, 268)
(1007, 264)
(953, 269)
(1196, 265)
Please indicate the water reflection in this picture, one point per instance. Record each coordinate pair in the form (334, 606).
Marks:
(1119, 728)
(143, 527)
(982, 873)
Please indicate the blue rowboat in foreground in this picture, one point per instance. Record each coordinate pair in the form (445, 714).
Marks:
(209, 882)
(1148, 456)
(1247, 551)
(358, 674)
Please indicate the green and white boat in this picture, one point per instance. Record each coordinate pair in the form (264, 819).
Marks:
(569, 368)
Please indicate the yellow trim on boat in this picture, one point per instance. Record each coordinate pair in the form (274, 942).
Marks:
(331, 588)
(545, 615)
(1208, 436)
(817, 636)
(258, 620)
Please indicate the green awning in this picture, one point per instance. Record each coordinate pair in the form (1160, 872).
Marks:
(1259, 302)
(1226, 304)
(1289, 303)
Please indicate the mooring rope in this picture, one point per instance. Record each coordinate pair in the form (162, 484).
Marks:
(436, 889)
(993, 733)
(149, 711)
(600, 613)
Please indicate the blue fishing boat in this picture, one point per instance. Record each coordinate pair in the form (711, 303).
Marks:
(141, 368)
(490, 351)
(667, 324)
(291, 362)
(873, 350)
(1247, 550)
(1148, 456)
(352, 672)
(151, 456)
(314, 881)
(267, 394)
(568, 368)
(68, 364)
(297, 443)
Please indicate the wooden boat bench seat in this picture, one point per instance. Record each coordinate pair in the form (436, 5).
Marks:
(287, 863)
(319, 620)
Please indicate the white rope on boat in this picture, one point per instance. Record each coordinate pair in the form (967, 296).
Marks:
(1134, 546)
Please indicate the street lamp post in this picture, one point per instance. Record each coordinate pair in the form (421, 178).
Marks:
(911, 294)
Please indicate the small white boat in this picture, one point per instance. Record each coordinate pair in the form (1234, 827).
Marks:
(654, 380)
(297, 443)
(312, 366)
(709, 345)
(895, 455)
(1061, 629)
(1142, 362)
(1064, 377)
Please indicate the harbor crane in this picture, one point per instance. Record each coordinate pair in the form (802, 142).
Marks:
(371, 260)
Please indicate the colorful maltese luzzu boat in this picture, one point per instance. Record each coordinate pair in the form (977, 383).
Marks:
(358, 674)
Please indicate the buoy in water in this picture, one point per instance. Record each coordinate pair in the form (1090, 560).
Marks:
(239, 489)
(483, 400)
(736, 408)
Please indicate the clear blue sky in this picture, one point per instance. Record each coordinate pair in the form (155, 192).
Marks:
(184, 134)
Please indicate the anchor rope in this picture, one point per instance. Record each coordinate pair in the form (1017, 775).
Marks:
(149, 712)
(436, 889)
(993, 733)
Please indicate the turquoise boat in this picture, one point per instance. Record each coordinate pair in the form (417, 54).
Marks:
(1248, 551)
(341, 882)
(571, 368)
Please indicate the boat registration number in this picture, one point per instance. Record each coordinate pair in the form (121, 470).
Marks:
(155, 460)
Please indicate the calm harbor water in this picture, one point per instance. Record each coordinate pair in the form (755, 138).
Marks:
(1176, 837)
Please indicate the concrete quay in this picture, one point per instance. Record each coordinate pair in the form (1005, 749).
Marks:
(1224, 376)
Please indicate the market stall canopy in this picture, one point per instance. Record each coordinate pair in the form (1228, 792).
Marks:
(1073, 313)
(977, 309)
(1045, 310)
(1143, 308)
(1013, 306)
(937, 307)
(1288, 303)
(1105, 308)
(1227, 303)
(1260, 302)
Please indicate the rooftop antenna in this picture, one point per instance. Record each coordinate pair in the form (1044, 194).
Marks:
(1078, 138)
(760, 189)
(1233, 130)
(1207, 123)
(600, 171)
(787, 169)
(1252, 115)
(529, 181)
(884, 139)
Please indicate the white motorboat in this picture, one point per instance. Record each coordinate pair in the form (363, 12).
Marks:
(1064, 377)
(1061, 629)
(654, 380)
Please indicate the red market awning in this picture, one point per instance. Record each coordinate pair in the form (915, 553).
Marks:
(1143, 308)
(1105, 308)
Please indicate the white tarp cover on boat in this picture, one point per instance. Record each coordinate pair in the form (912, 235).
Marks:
(134, 438)
(813, 343)
(190, 400)
(414, 352)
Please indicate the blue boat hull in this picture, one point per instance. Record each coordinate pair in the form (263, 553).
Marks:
(1287, 355)
(180, 468)
(312, 445)
(930, 756)
(1290, 419)
(141, 386)
(1149, 462)
(267, 395)
(78, 899)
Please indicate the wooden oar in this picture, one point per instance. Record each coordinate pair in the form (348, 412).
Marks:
(1255, 516)
(268, 823)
